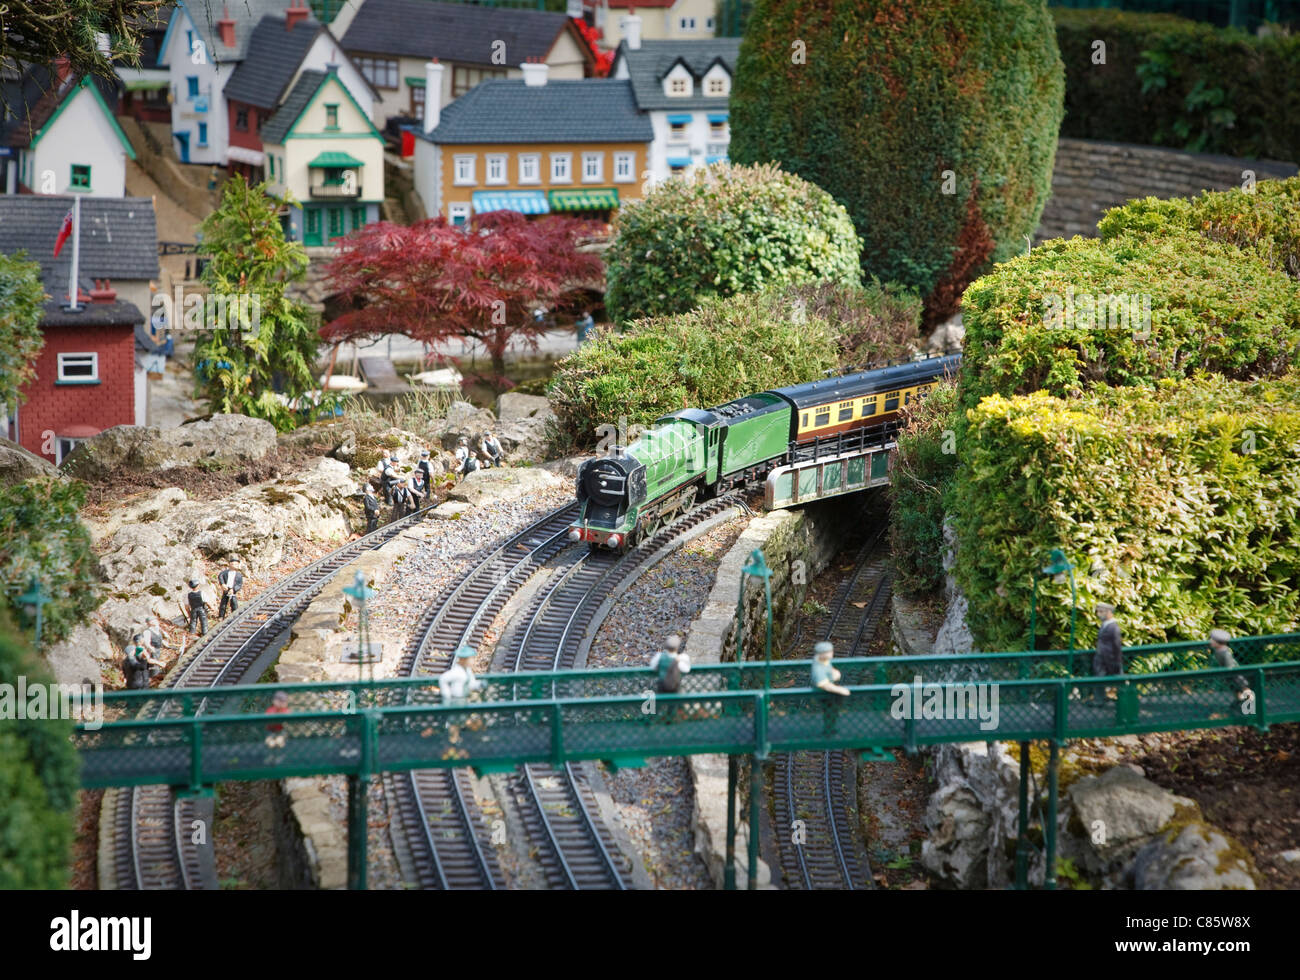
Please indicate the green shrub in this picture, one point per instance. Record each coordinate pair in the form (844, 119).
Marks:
(1173, 82)
(924, 466)
(1264, 222)
(1212, 307)
(38, 782)
(876, 101)
(726, 230)
(724, 349)
(44, 537)
(1179, 505)
(22, 302)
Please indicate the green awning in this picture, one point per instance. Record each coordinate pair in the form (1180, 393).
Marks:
(336, 158)
(584, 199)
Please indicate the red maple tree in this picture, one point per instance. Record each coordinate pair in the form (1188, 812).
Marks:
(433, 281)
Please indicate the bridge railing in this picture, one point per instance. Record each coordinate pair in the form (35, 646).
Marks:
(639, 681)
(205, 749)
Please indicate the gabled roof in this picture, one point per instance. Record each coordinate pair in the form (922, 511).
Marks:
(500, 110)
(455, 32)
(299, 98)
(34, 99)
(245, 13)
(119, 236)
(648, 65)
(274, 54)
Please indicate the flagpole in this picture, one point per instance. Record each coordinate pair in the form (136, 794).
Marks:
(76, 250)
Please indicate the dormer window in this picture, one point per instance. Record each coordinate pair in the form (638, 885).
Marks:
(679, 86)
(715, 86)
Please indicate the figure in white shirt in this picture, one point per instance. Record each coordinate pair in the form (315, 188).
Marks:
(458, 681)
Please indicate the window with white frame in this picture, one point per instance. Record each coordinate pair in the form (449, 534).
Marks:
(624, 168)
(717, 129)
(593, 168)
(66, 445)
(679, 86)
(561, 168)
(79, 368)
(530, 168)
(708, 23)
(686, 23)
(496, 168)
(464, 170)
(458, 214)
(677, 130)
(715, 86)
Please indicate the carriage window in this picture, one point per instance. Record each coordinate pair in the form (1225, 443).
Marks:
(822, 418)
(891, 401)
(846, 411)
(907, 398)
(868, 407)
(804, 423)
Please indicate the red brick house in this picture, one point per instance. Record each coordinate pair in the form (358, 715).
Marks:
(90, 374)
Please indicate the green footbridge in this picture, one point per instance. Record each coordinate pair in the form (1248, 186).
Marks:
(191, 740)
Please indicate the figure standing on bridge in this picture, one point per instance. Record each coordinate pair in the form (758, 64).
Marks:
(1223, 656)
(669, 666)
(279, 705)
(824, 675)
(1108, 661)
(230, 580)
(198, 615)
(456, 683)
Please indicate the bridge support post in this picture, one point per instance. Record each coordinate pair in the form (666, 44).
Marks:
(755, 791)
(1053, 771)
(359, 803)
(1022, 829)
(729, 872)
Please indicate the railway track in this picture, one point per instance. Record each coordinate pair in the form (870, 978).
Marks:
(153, 828)
(815, 793)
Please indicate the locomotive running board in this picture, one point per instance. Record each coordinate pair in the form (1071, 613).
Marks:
(829, 476)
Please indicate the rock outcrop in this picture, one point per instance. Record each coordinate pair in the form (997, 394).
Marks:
(17, 464)
(219, 440)
(1196, 858)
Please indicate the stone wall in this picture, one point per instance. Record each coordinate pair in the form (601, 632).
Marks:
(1091, 176)
(797, 544)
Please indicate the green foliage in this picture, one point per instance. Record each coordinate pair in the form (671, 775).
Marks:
(39, 32)
(22, 300)
(884, 99)
(44, 537)
(1212, 307)
(1264, 221)
(262, 353)
(725, 349)
(1174, 82)
(1179, 505)
(725, 231)
(923, 475)
(38, 781)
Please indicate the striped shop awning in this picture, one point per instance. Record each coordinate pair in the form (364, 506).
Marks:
(585, 199)
(525, 202)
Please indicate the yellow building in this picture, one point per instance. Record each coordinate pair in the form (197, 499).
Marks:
(574, 147)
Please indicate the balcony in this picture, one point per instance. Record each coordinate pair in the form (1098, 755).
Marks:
(336, 190)
(335, 176)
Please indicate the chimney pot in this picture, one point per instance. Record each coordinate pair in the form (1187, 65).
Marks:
(632, 32)
(535, 73)
(226, 28)
(432, 94)
(294, 14)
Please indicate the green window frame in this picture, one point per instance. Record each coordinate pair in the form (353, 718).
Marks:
(358, 217)
(331, 115)
(80, 179)
(271, 159)
(313, 222)
(336, 222)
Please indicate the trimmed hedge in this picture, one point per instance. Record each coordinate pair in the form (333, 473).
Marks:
(43, 536)
(1179, 505)
(725, 349)
(726, 230)
(1174, 82)
(1212, 307)
(883, 98)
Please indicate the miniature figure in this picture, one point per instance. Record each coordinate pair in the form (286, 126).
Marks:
(458, 681)
(824, 675)
(670, 666)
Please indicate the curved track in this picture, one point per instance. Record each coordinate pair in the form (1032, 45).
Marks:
(815, 793)
(153, 846)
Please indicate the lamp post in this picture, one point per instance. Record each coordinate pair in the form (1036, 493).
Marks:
(32, 600)
(1058, 568)
(359, 782)
(362, 593)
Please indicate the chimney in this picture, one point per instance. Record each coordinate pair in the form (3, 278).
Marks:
(535, 72)
(432, 94)
(632, 32)
(295, 14)
(573, 9)
(103, 292)
(226, 28)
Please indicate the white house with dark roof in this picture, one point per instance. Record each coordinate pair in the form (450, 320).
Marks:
(390, 40)
(655, 20)
(205, 41)
(59, 136)
(684, 88)
(322, 149)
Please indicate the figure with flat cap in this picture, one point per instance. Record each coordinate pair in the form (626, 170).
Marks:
(669, 665)
(1109, 658)
(458, 681)
(1223, 657)
(824, 675)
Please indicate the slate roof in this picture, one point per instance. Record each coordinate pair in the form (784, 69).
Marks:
(118, 313)
(274, 54)
(501, 110)
(455, 32)
(29, 97)
(119, 236)
(246, 14)
(648, 65)
(275, 128)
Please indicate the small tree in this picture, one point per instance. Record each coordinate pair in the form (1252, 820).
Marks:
(727, 230)
(21, 301)
(255, 343)
(433, 281)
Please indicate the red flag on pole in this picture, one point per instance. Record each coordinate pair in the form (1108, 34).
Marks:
(64, 231)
